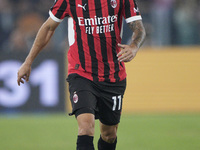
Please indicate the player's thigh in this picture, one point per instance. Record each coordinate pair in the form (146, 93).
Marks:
(110, 102)
(109, 111)
(81, 95)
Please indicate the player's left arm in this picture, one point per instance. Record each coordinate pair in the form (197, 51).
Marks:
(128, 52)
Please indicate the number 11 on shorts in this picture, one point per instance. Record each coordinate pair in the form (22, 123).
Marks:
(115, 100)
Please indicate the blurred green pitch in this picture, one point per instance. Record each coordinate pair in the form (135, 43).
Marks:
(136, 132)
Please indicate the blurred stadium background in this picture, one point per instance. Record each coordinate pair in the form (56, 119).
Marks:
(161, 108)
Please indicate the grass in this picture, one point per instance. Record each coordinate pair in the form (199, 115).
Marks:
(136, 132)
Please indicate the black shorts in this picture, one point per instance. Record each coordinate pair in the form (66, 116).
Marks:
(102, 99)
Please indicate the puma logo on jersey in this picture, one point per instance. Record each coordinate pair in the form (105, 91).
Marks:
(82, 6)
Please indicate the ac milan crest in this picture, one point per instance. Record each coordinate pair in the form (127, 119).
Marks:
(113, 3)
(75, 97)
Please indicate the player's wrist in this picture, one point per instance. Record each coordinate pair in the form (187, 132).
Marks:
(28, 62)
(134, 47)
(134, 44)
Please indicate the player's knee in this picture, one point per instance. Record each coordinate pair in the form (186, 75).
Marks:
(86, 125)
(86, 128)
(109, 136)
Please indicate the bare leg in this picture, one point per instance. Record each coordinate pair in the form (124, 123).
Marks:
(86, 123)
(108, 139)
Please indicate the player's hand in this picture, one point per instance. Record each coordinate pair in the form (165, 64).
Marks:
(127, 52)
(23, 73)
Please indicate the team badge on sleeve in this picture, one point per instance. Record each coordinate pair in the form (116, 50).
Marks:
(136, 9)
(113, 3)
(75, 98)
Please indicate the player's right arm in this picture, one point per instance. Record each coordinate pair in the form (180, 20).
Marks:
(43, 36)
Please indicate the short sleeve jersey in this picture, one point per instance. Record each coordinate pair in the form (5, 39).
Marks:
(94, 30)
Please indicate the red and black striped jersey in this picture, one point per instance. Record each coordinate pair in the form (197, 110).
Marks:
(94, 30)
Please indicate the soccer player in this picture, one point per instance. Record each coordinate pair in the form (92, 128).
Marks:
(96, 70)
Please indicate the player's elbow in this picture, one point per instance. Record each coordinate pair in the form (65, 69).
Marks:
(50, 25)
